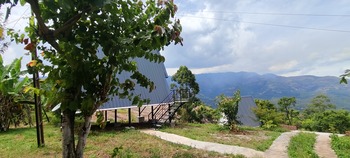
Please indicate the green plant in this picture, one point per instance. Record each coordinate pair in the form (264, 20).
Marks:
(229, 107)
(341, 146)
(285, 106)
(267, 114)
(337, 121)
(100, 119)
(11, 93)
(301, 146)
(119, 152)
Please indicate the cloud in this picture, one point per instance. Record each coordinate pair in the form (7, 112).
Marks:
(244, 36)
(222, 38)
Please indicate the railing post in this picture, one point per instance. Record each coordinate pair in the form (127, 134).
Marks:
(174, 95)
(115, 117)
(152, 111)
(169, 109)
(106, 116)
(129, 114)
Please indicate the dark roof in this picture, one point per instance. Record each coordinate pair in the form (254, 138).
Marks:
(245, 113)
(156, 72)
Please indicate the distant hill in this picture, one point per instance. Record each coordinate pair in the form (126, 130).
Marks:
(272, 87)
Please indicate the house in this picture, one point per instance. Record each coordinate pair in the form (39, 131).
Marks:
(162, 100)
(245, 113)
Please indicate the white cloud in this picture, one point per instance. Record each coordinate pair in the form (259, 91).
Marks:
(284, 66)
(216, 39)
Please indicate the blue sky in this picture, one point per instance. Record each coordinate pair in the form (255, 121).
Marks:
(242, 35)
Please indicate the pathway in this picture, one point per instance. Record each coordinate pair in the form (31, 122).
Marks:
(221, 148)
(278, 149)
(323, 146)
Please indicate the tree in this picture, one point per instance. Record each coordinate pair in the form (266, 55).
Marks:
(229, 107)
(11, 111)
(188, 87)
(285, 106)
(319, 104)
(186, 80)
(267, 114)
(91, 42)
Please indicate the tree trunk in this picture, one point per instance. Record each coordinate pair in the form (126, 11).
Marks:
(68, 144)
(84, 132)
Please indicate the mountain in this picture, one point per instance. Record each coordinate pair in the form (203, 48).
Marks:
(273, 87)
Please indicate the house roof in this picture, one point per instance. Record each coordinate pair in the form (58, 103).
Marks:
(245, 113)
(156, 72)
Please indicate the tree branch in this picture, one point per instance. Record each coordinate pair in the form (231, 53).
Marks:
(43, 30)
(69, 24)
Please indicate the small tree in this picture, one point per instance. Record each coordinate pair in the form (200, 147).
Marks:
(188, 87)
(319, 104)
(267, 114)
(285, 106)
(186, 80)
(229, 107)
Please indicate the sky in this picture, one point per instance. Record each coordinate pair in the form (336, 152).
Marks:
(247, 35)
(282, 37)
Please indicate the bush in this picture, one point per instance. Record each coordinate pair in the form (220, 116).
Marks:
(267, 113)
(199, 112)
(336, 121)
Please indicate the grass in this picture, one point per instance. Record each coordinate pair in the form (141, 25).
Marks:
(302, 146)
(341, 146)
(254, 138)
(21, 142)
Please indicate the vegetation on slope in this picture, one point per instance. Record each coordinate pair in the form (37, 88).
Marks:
(302, 146)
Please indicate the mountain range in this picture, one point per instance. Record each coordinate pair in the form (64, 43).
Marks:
(273, 87)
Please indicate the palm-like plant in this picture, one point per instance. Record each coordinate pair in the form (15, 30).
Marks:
(11, 87)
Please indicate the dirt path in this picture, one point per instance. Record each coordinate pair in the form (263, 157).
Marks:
(221, 148)
(323, 146)
(279, 147)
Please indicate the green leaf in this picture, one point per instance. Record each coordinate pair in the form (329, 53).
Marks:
(343, 80)
(22, 2)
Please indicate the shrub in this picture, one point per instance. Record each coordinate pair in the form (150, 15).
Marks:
(337, 121)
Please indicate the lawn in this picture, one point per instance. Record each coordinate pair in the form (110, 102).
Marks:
(21, 142)
(254, 138)
(302, 146)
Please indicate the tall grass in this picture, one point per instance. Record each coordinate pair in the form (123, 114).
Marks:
(341, 146)
(302, 146)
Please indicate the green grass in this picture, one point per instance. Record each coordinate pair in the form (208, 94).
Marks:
(21, 142)
(254, 138)
(302, 146)
(341, 146)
